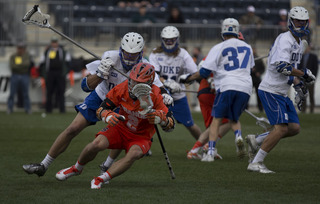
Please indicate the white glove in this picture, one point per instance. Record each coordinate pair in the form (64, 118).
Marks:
(172, 85)
(167, 99)
(211, 82)
(183, 78)
(308, 77)
(104, 68)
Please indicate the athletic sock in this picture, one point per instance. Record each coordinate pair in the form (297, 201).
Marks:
(261, 137)
(237, 133)
(106, 176)
(47, 161)
(108, 162)
(212, 145)
(196, 147)
(260, 156)
(79, 166)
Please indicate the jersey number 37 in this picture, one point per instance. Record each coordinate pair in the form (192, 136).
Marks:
(233, 58)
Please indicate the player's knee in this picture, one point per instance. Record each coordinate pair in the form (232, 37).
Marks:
(134, 154)
(98, 145)
(294, 129)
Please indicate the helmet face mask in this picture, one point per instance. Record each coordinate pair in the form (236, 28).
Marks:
(131, 50)
(141, 73)
(230, 26)
(170, 38)
(298, 21)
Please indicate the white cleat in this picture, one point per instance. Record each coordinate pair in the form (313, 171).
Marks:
(207, 158)
(241, 150)
(64, 174)
(216, 155)
(252, 142)
(259, 167)
(96, 183)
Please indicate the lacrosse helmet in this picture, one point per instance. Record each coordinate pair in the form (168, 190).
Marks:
(141, 73)
(301, 14)
(230, 26)
(131, 50)
(170, 39)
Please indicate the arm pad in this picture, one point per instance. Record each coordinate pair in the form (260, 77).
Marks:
(204, 73)
(84, 85)
(284, 68)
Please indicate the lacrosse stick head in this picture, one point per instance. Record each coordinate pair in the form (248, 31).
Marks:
(264, 123)
(140, 81)
(35, 17)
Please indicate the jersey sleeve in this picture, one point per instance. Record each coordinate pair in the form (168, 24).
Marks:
(281, 51)
(210, 62)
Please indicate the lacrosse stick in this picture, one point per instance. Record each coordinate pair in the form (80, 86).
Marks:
(35, 17)
(261, 121)
(142, 92)
(173, 176)
(257, 58)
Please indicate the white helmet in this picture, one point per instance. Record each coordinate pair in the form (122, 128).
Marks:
(170, 38)
(230, 26)
(131, 49)
(302, 14)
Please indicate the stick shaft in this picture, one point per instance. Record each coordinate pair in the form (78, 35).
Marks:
(173, 176)
(80, 46)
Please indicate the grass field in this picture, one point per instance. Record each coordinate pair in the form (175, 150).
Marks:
(27, 138)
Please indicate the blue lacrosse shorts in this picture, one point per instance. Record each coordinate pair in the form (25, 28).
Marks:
(230, 104)
(279, 109)
(89, 106)
(181, 112)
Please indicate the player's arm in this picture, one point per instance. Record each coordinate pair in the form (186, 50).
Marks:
(288, 69)
(189, 78)
(106, 114)
(90, 82)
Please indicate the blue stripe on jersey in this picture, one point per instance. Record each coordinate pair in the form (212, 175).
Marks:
(204, 73)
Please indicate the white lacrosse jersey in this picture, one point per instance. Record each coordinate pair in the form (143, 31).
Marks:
(115, 77)
(287, 49)
(231, 62)
(170, 67)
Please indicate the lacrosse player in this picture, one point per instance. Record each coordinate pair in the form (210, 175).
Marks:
(101, 80)
(141, 107)
(170, 61)
(206, 97)
(231, 62)
(284, 57)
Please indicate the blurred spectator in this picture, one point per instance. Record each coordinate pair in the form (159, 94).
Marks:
(251, 25)
(310, 61)
(283, 21)
(143, 17)
(197, 55)
(256, 73)
(145, 20)
(175, 16)
(20, 64)
(54, 67)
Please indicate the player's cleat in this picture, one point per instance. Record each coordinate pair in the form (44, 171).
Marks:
(216, 155)
(205, 147)
(66, 173)
(207, 158)
(103, 169)
(191, 155)
(96, 183)
(35, 168)
(251, 155)
(259, 167)
(241, 150)
(252, 142)
(149, 153)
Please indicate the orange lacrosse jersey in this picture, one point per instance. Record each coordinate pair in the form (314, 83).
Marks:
(135, 122)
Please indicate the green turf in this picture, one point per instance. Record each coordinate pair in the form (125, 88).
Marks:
(27, 138)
